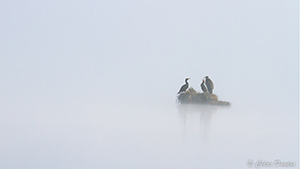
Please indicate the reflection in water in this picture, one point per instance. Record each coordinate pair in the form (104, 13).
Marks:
(204, 113)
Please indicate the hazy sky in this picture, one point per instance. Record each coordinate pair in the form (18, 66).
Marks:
(116, 48)
(70, 55)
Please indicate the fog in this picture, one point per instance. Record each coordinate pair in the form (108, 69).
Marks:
(92, 84)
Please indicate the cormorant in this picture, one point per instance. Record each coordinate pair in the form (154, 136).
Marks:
(185, 86)
(209, 84)
(203, 87)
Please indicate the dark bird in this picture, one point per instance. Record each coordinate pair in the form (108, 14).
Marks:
(203, 87)
(209, 84)
(185, 86)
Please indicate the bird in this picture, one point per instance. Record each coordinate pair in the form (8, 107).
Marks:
(203, 87)
(209, 84)
(184, 87)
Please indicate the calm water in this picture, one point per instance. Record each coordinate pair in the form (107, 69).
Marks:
(145, 136)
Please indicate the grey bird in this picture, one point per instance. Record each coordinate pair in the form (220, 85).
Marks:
(184, 87)
(203, 87)
(209, 84)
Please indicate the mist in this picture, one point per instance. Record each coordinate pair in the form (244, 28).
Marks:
(92, 84)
